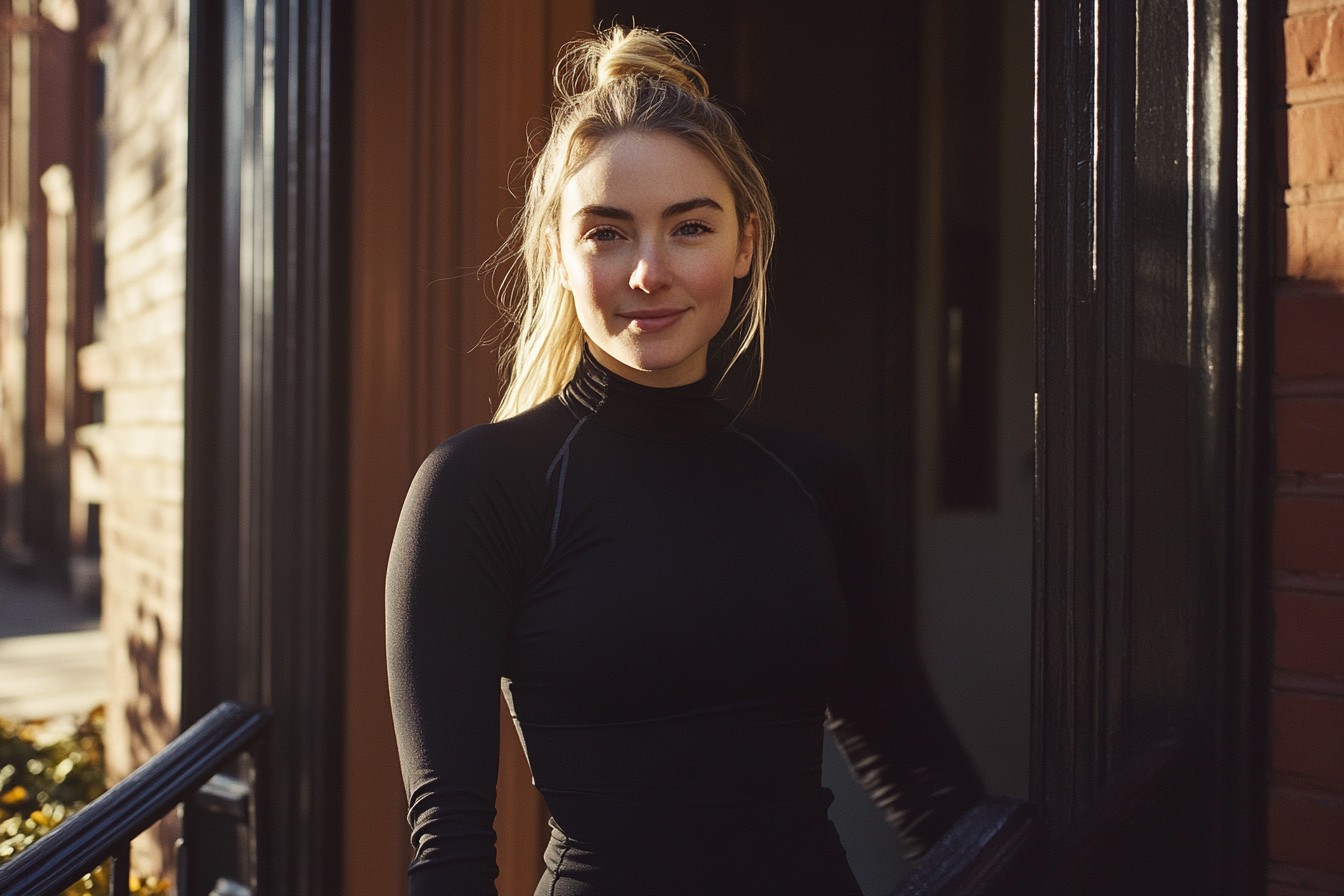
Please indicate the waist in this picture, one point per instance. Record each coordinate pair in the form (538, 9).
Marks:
(634, 824)
(731, 759)
(754, 848)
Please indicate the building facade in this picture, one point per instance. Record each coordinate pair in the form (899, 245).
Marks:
(1306, 803)
(293, 320)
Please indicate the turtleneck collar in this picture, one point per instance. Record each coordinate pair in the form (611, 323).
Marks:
(678, 414)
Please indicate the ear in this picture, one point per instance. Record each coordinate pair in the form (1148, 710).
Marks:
(557, 258)
(746, 247)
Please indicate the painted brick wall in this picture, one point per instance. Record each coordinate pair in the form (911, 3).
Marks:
(1306, 799)
(141, 443)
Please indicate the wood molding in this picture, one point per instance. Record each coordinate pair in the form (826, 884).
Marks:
(445, 94)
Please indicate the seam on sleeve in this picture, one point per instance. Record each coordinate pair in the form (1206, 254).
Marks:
(562, 459)
(783, 466)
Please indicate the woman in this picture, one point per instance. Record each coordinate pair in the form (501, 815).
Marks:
(674, 600)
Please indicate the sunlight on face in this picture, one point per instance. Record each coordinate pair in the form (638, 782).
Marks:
(649, 245)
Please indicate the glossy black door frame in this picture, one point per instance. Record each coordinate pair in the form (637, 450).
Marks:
(263, 596)
(1154, 157)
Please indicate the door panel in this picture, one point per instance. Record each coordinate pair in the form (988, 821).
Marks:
(444, 96)
(1151, 457)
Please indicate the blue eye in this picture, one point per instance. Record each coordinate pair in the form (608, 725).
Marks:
(692, 228)
(603, 235)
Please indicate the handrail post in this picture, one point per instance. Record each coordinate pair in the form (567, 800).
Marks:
(259, 811)
(219, 824)
(106, 826)
(120, 883)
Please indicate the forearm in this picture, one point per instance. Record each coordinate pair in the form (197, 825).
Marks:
(904, 752)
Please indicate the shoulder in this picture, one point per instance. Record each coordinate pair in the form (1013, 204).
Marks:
(819, 462)
(828, 471)
(493, 462)
(483, 490)
(499, 451)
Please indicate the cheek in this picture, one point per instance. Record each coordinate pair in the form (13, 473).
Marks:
(593, 294)
(578, 275)
(714, 283)
(591, 285)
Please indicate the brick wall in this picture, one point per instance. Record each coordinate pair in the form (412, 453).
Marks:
(1306, 800)
(140, 446)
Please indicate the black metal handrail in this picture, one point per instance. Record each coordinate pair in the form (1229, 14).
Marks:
(105, 827)
(978, 855)
(1000, 845)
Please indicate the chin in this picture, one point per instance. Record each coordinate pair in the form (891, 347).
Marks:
(650, 367)
(654, 362)
(646, 357)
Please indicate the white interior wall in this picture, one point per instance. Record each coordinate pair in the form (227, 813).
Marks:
(974, 568)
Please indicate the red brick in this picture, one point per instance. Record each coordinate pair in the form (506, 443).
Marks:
(1313, 47)
(1316, 241)
(1281, 238)
(1302, 39)
(1309, 330)
(1308, 535)
(1316, 144)
(1306, 829)
(1309, 634)
(1309, 739)
(1310, 434)
(1281, 147)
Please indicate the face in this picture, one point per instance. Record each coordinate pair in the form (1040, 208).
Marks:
(649, 245)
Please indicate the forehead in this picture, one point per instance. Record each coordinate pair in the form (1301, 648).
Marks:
(644, 172)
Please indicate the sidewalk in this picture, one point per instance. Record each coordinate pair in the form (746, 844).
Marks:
(53, 656)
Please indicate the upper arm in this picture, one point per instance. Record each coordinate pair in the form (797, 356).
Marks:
(460, 551)
(882, 710)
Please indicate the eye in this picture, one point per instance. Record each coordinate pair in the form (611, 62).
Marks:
(602, 235)
(692, 228)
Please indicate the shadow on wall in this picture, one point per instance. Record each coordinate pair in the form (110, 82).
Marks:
(146, 718)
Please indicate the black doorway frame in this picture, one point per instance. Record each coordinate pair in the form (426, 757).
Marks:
(1155, 248)
(263, 611)
(266, 341)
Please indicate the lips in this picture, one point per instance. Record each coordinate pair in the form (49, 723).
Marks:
(652, 320)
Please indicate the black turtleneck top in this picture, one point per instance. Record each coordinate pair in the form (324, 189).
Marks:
(674, 603)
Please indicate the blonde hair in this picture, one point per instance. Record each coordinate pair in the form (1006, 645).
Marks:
(615, 82)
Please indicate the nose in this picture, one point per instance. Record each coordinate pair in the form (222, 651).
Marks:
(651, 272)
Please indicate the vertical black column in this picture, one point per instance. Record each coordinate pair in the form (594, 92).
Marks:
(1151, 440)
(1234, 239)
(264, 524)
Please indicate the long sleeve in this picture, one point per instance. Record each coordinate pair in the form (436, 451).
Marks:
(460, 549)
(882, 710)
(901, 748)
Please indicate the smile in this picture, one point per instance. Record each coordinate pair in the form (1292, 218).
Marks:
(653, 319)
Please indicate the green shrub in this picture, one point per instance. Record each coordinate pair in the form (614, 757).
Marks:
(47, 773)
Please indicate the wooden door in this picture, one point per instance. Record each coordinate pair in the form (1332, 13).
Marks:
(444, 96)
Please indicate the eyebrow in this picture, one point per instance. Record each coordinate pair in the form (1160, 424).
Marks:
(620, 214)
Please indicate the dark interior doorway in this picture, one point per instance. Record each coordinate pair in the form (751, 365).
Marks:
(843, 103)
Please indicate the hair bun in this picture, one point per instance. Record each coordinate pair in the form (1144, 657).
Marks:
(617, 54)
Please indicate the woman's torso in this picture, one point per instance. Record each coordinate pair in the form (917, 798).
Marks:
(668, 661)
(658, 588)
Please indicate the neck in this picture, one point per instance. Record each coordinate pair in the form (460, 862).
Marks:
(691, 370)
(667, 414)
